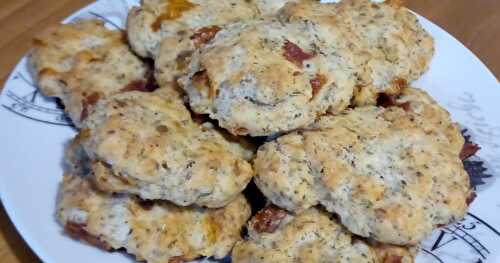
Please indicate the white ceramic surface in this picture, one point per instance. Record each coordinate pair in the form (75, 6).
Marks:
(34, 131)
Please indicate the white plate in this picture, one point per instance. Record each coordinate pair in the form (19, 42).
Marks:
(33, 133)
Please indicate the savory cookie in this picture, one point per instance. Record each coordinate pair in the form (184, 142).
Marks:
(83, 62)
(392, 46)
(154, 232)
(148, 144)
(180, 24)
(263, 77)
(390, 174)
(311, 236)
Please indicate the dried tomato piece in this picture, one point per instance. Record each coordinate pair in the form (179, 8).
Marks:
(78, 231)
(90, 100)
(204, 34)
(173, 10)
(295, 54)
(472, 196)
(142, 85)
(405, 106)
(390, 100)
(136, 85)
(387, 100)
(317, 83)
(268, 219)
(393, 259)
(468, 150)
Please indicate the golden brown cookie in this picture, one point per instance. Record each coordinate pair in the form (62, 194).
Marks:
(265, 77)
(151, 231)
(84, 62)
(147, 144)
(390, 174)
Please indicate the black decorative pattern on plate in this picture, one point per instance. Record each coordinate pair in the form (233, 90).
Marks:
(26, 100)
(475, 168)
(472, 234)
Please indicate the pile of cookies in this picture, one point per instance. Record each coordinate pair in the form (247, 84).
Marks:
(310, 102)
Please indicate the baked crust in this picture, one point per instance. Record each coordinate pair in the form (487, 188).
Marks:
(147, 144)
(265, 77)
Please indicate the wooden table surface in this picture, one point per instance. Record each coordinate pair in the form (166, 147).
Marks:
(474, 23)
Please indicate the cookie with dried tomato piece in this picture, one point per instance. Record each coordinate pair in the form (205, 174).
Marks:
(180, 26)
(310, 236)
(83, 62)
(391, 44)
(264, 77)
(390, 174)
(148, 144)
(151, 231)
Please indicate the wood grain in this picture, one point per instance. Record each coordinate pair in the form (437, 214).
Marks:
(474, 23)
